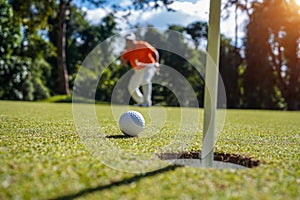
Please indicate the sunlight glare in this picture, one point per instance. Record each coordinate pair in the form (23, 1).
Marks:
(297, 2)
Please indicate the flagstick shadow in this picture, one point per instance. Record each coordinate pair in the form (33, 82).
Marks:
(116, 184)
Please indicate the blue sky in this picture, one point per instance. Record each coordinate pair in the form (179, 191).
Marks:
(111, 2)
(187, 11)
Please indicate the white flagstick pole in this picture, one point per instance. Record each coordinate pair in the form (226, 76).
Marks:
(211, 80)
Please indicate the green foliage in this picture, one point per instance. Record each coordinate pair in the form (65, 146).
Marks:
(40, 75)
(10, 35)
(186, 60)
(108, 81)
(23, 70)
(84, 37)
(13, 67)
(230, 62)
(198, 31)
(33, 13)
(19, 80)
(13, 78)
(85, 82)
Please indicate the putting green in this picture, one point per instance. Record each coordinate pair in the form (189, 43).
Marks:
(43, 157)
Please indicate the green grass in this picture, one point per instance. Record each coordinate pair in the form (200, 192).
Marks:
(43, 157)
(58, 99)
(68, 99)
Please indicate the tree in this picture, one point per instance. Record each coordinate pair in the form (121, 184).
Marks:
(12, 69)
(273, 34)
(62, 17)
(90, 40)
(245, 6)
(183, 58)
(22, 58)
(230, 63)
(289, 79)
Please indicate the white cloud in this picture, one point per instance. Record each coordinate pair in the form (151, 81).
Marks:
(197, 9)
(148, 15)
(186, 12)
(125, 3)
(94, 16)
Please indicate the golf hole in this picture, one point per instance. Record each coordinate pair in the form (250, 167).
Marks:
(221, 160)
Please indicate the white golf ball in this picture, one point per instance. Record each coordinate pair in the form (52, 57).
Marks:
(132, 123)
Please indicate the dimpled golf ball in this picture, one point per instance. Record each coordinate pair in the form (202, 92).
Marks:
(132, 123)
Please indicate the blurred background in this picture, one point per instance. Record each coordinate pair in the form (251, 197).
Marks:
(44, 42)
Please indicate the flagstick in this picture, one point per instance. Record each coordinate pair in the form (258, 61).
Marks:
(211, 80)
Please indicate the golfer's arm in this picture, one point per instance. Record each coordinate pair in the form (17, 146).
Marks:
(156, 56)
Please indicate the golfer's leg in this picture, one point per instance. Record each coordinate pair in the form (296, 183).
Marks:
(147, 91)
(147, 84)
(133, 87)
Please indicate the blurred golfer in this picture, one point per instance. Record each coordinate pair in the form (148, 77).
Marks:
(144, 59)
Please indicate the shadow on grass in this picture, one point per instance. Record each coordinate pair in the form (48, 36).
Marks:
(119, 136)
(116, 184)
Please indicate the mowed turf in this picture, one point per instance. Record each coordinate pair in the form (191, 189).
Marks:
(43, 157)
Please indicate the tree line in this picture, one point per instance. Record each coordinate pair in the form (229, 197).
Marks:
(44, 42)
